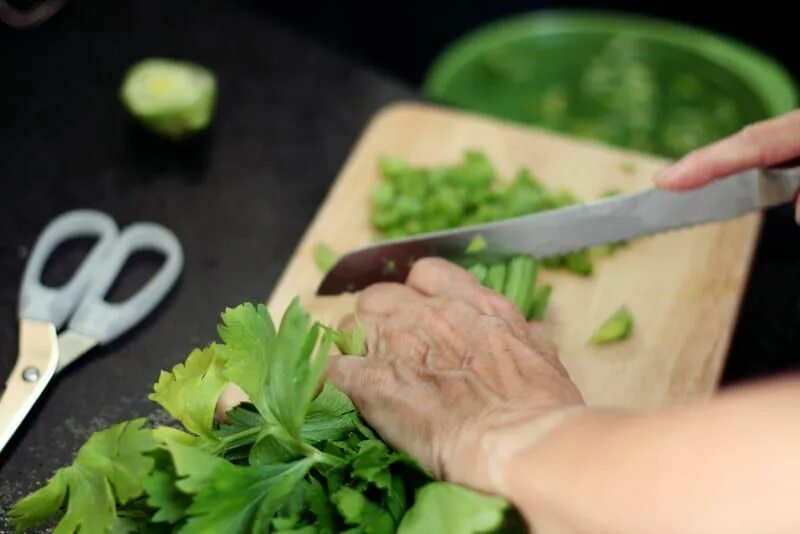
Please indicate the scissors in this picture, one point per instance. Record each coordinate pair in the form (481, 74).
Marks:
(94, 321)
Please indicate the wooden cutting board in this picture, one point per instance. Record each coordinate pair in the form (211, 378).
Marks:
(684, 288)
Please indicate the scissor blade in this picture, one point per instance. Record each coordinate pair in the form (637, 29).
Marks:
(71, 346)
(36, 365)
(567, 229)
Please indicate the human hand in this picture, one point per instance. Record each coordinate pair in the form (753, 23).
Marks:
(762, 144)
(453, 374)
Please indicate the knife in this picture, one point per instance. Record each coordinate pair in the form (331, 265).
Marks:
(571, 228)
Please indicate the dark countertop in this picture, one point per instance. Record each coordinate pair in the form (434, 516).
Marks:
(239, 199)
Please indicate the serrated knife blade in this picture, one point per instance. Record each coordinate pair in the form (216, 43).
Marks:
(571, 228)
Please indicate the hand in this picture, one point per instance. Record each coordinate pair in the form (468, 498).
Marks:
(450, 367)
(762, 144)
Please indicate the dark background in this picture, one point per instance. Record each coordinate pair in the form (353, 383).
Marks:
(240, 197)
(403, 37)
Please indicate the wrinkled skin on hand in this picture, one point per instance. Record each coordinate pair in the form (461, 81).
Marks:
(448, 363)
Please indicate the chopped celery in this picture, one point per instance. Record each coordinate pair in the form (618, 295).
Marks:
(496, 277)
(478, 244)
(324, 257)
(520, 280)
(171, 98)
(479, 271)
(615, 328)
(538, 304)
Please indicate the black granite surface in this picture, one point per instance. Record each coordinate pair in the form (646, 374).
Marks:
(238, 198)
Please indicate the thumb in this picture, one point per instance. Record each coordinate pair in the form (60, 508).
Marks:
(347, 373)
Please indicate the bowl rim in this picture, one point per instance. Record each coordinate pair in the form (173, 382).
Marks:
(764, 76)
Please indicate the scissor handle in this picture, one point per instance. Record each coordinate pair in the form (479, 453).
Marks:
(104, 321)
(55, 304)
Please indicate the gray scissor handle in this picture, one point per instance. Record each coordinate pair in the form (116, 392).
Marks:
(54, 305)
(104, 321)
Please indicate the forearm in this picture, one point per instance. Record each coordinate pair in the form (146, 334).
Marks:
(729, 465)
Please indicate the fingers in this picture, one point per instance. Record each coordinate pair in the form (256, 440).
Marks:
(386, 299)
(368, 385)
(541, 339)
(231, 397)
(762, 144)
(440, 278)
(345, 373)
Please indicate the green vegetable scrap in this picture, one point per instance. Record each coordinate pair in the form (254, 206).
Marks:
(412, 200)
(294, 459)
(325, 257)
(615, 328)
(478, 244)
(539, 302)
(479, 271)
(171, 98)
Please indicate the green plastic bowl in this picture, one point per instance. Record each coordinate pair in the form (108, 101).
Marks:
(634, 82)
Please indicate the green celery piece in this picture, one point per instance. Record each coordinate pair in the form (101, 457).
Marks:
(238, 498)
(42, 504)
(496, 277)
(437, 222)
(270, 450)
(445, 202)
(475, 170)
(412, 185)
(371, 463)
(330, 402)
(325, 257)
(357, 510)
(396, 498)
(523, 179)
(318, 428)
(190, 391)
(408, 206)
(615, 328)
(479, 271)
(243, 428)
(525, 201)
(194, 466)
(295, 370)
(553, 262)
(564, 197)
(392, 166)
(350, 343)
(478, 244)
(331, 416)
(538, 304)
(171, 98)
(385, 219)
(443, 507)
(520, 280)
(248, 334)
(579, 263)
(321, 506)
(108, 470)
(383, 196)
(165, 497)
(412, 227)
